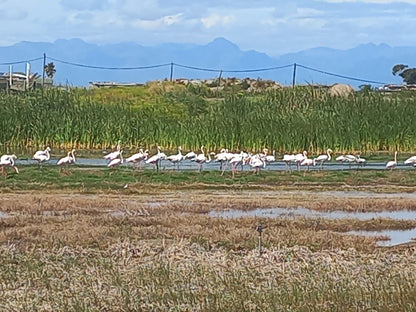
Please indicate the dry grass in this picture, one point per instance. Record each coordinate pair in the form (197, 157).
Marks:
(161, 251)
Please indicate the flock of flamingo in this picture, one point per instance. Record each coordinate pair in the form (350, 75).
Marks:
(224, 157)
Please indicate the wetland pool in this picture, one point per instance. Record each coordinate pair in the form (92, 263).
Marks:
(392, 237)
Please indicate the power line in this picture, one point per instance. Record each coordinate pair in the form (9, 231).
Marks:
(22, 62)
(234, 71)
(340, 76)
(107, 68)
(197, 68)
(258, 70)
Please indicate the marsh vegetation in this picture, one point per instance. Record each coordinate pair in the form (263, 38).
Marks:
(170, 115)
(98, 239)
(82, 242)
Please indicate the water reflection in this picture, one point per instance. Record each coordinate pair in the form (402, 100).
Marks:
(97, 160)
(94, 157)
(304, 212)
(394, 237)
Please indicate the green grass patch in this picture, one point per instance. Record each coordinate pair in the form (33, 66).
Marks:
(97, 178)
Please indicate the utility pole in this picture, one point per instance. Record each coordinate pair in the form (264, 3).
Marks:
(294, 75)
(10, 77)
(219, 80)
(43, 71)
(171, 72)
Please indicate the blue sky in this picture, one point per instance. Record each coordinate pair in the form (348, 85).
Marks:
(272, 27)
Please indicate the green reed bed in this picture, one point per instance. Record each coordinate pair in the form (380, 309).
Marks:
(287, 120)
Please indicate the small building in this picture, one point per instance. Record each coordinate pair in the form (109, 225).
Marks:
(18, 81)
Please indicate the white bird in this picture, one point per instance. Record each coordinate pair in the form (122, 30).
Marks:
(156, 159)
(69, 159)
(138, 158)
(223, 157)
(8, 161)
(308, 162)
(115, 154)
(42, 156)
(392, 163)
(340, 158)
(323, 158)
(410, 161)
(6, 158)
(270, 158)
(40, 153)
(202, 159)
(177, 158)
(350, 158)
(347, 159)
(117, 161)
(238, 159)
(360, 161)
(288, 159)
(257, 163)
(191, 155)
(300, 157)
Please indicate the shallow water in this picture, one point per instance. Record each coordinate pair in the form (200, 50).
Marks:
(96, 159)
(394, 237)
(304, 212)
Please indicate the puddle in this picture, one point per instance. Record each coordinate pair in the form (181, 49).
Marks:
(394, 237)
(304, 212)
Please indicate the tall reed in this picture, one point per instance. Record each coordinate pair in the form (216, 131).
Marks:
(286, 120)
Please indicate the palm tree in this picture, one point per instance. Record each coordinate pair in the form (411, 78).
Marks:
(50, 69)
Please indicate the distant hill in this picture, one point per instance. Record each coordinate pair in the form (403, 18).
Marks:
(74, 58)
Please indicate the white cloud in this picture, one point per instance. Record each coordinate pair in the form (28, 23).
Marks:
(157, 23)
(266, 26)
(216, 20)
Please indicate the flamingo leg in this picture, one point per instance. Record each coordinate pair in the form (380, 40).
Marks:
(224, 166)
(234, 170)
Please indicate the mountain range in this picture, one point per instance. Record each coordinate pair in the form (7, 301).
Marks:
(77, 62)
